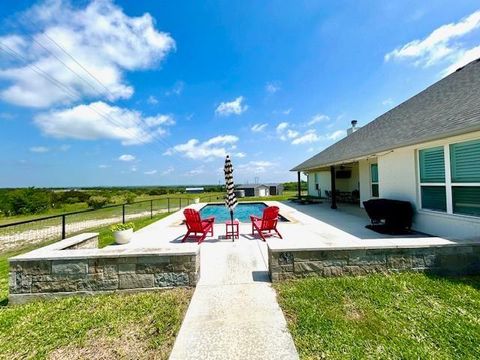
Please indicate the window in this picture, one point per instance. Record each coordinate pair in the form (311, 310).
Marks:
(450, 178)
(465, 170)
(432, 179)
(374, 179)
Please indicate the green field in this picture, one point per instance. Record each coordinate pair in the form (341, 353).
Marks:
(402, 316)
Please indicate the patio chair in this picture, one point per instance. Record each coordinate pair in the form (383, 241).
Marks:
(267, 223)
(197, 227)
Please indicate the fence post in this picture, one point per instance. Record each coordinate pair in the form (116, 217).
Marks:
(168, 205)
(123, 213)
(64, 233)
(151, 209)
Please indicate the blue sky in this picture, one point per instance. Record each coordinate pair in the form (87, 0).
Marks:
(156, 93)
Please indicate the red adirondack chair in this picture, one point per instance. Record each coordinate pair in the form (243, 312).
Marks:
(197, 227)
(267, 223)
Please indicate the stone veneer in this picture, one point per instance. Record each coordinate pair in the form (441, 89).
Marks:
(457, 259)
(73, 266)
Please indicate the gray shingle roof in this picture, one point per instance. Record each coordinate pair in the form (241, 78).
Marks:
(449, 107)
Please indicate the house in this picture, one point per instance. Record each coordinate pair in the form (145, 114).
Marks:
(425, 151)
(261, 190)
(194, 190)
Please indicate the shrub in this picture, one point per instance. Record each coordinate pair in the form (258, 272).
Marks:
(25, 201)
(154, 192)
(129, 197)
(97, 202)
(121, 227)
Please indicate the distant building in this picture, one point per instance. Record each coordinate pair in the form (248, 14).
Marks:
(261, 190)
(194, 190)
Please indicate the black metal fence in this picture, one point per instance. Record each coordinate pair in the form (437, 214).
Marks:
(58, 227)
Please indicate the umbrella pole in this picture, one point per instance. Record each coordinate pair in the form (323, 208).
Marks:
(232, 228)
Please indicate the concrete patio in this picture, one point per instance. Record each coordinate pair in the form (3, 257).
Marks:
(316, 224)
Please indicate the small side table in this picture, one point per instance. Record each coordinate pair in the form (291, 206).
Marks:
(231, 229)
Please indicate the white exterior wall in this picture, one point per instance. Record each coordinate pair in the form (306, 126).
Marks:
(323, 182)
(398, 179)
(365, 180)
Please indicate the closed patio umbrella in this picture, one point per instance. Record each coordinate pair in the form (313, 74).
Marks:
(231, 199)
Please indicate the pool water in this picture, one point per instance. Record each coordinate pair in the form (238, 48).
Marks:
(242, 211)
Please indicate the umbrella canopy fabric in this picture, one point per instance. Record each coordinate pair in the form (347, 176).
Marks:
(231, 199)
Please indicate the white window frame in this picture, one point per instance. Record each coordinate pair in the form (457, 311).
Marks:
(448, 184)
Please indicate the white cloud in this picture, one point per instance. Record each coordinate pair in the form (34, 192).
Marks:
(336, 135)
(103, 166)
(151, 121)
(150, 172)
(282, 126)
(463, 59)
(85, 122)
(64, 147)
(240, 155)
(177, 89)
(287, 111)
(258, 127)
(168, 171)
(197, 171)
(126, 157)
(444, 44)
(272, 87)
(256, 167)
(233, 107)
(217, 146)
(318, 118)
(152, 100)
(285, 133)
(100, 36)
(291, 134)
(133, 168)
(387, 102)
(39, 149)
(309, 137)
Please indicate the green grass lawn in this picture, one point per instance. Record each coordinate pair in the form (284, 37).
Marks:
(120, 326)
(402, 316)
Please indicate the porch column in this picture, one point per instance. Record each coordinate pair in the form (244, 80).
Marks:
(334, 188)
(299, 185)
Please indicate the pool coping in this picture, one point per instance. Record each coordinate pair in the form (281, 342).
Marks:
(282, 216)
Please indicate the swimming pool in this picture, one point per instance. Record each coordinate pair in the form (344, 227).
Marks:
(242, 211)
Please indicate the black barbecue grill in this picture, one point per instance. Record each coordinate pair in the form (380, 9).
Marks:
(393, 214)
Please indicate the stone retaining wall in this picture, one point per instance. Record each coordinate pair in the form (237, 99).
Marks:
(39, 277)
(75, 266)
(455, 260)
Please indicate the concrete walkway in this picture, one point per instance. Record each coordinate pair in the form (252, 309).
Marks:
(234, 313)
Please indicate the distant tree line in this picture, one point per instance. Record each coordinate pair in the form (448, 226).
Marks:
(292, 186)
(26, 201)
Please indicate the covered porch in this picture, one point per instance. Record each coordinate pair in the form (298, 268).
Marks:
(346, 183)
